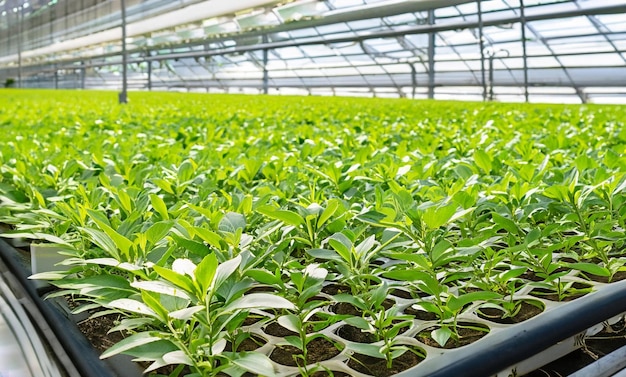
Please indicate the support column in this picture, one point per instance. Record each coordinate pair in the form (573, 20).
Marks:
(431, 56)
(83, 73)
(149, 72)
(482, 48)
(524, 53)
(56, 77)
(266, 78)
(20, 19)
(413, 79)
(123, 96)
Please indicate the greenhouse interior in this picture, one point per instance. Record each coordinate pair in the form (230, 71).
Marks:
(325, 188)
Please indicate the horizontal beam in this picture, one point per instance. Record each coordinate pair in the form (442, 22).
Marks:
(420, 29)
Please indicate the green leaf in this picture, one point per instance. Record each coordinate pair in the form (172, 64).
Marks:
(483, 160)
(342, 245)
(331, 208)
(205, 272)
(163, 185)
(290, 322)
(256, 363)
(263, 277)
(208, 236)
(122, 243)
(131, 342)
(359, 322)
(436, 217)
(103, 241)
(591, 268)
(294, 341)
(324, 254)
(505, 223)
(160, 287)
(133, 306)
(197, 248)
(225, 270)
(532, 236)
(231, 222)
(259, 301)
(186, 313)
(457, 303)
(287, 217)
(158, 231)
(441, 335)
(182, 281)
(366, 349)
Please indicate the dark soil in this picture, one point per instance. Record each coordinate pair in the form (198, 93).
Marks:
(420, 314)
(95, 330)
(574, 293)
(378, 367)
(349, 309)
(401, 293)
(601, 344)
(277, 330)
(319, 349)
(334, 289)
(465, 336)
(328, 374)
(495, 315)
(620, 275)
(346, 308)
(355, 334)
(248, 344)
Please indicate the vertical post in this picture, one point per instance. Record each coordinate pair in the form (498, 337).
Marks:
(482, 48)
(266, 78)
(524, 53)
(431, 56)
(491, 56)
(83, 73)
(149, 72)
(56, 77)
(413, 79)
(123, 96)
(19, 45)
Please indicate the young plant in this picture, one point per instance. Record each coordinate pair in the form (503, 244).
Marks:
(195, 306)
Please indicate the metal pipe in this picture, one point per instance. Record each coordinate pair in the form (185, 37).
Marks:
(149, 74)
(19, 46)
(431, 56)
(491, 56)
(419, 29)
(481, 43)
(84, 359)
(123, 96)
(524, 52)
(413, 80)
(265, 71)
(521, 341)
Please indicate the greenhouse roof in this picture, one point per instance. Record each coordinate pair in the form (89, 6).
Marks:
(571, 50)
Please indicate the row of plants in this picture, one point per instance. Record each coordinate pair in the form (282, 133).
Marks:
(305, 236)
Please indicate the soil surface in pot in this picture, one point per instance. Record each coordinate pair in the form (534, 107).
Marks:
(95, 330)
(527, 311)
(249, 344)
(354, 334)
(319, 349)
(349, 309)
(420, 314)
(467, 334)
(327, 374)
(618, 276)
(378, 367)
(597, 346)
(577, 291)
